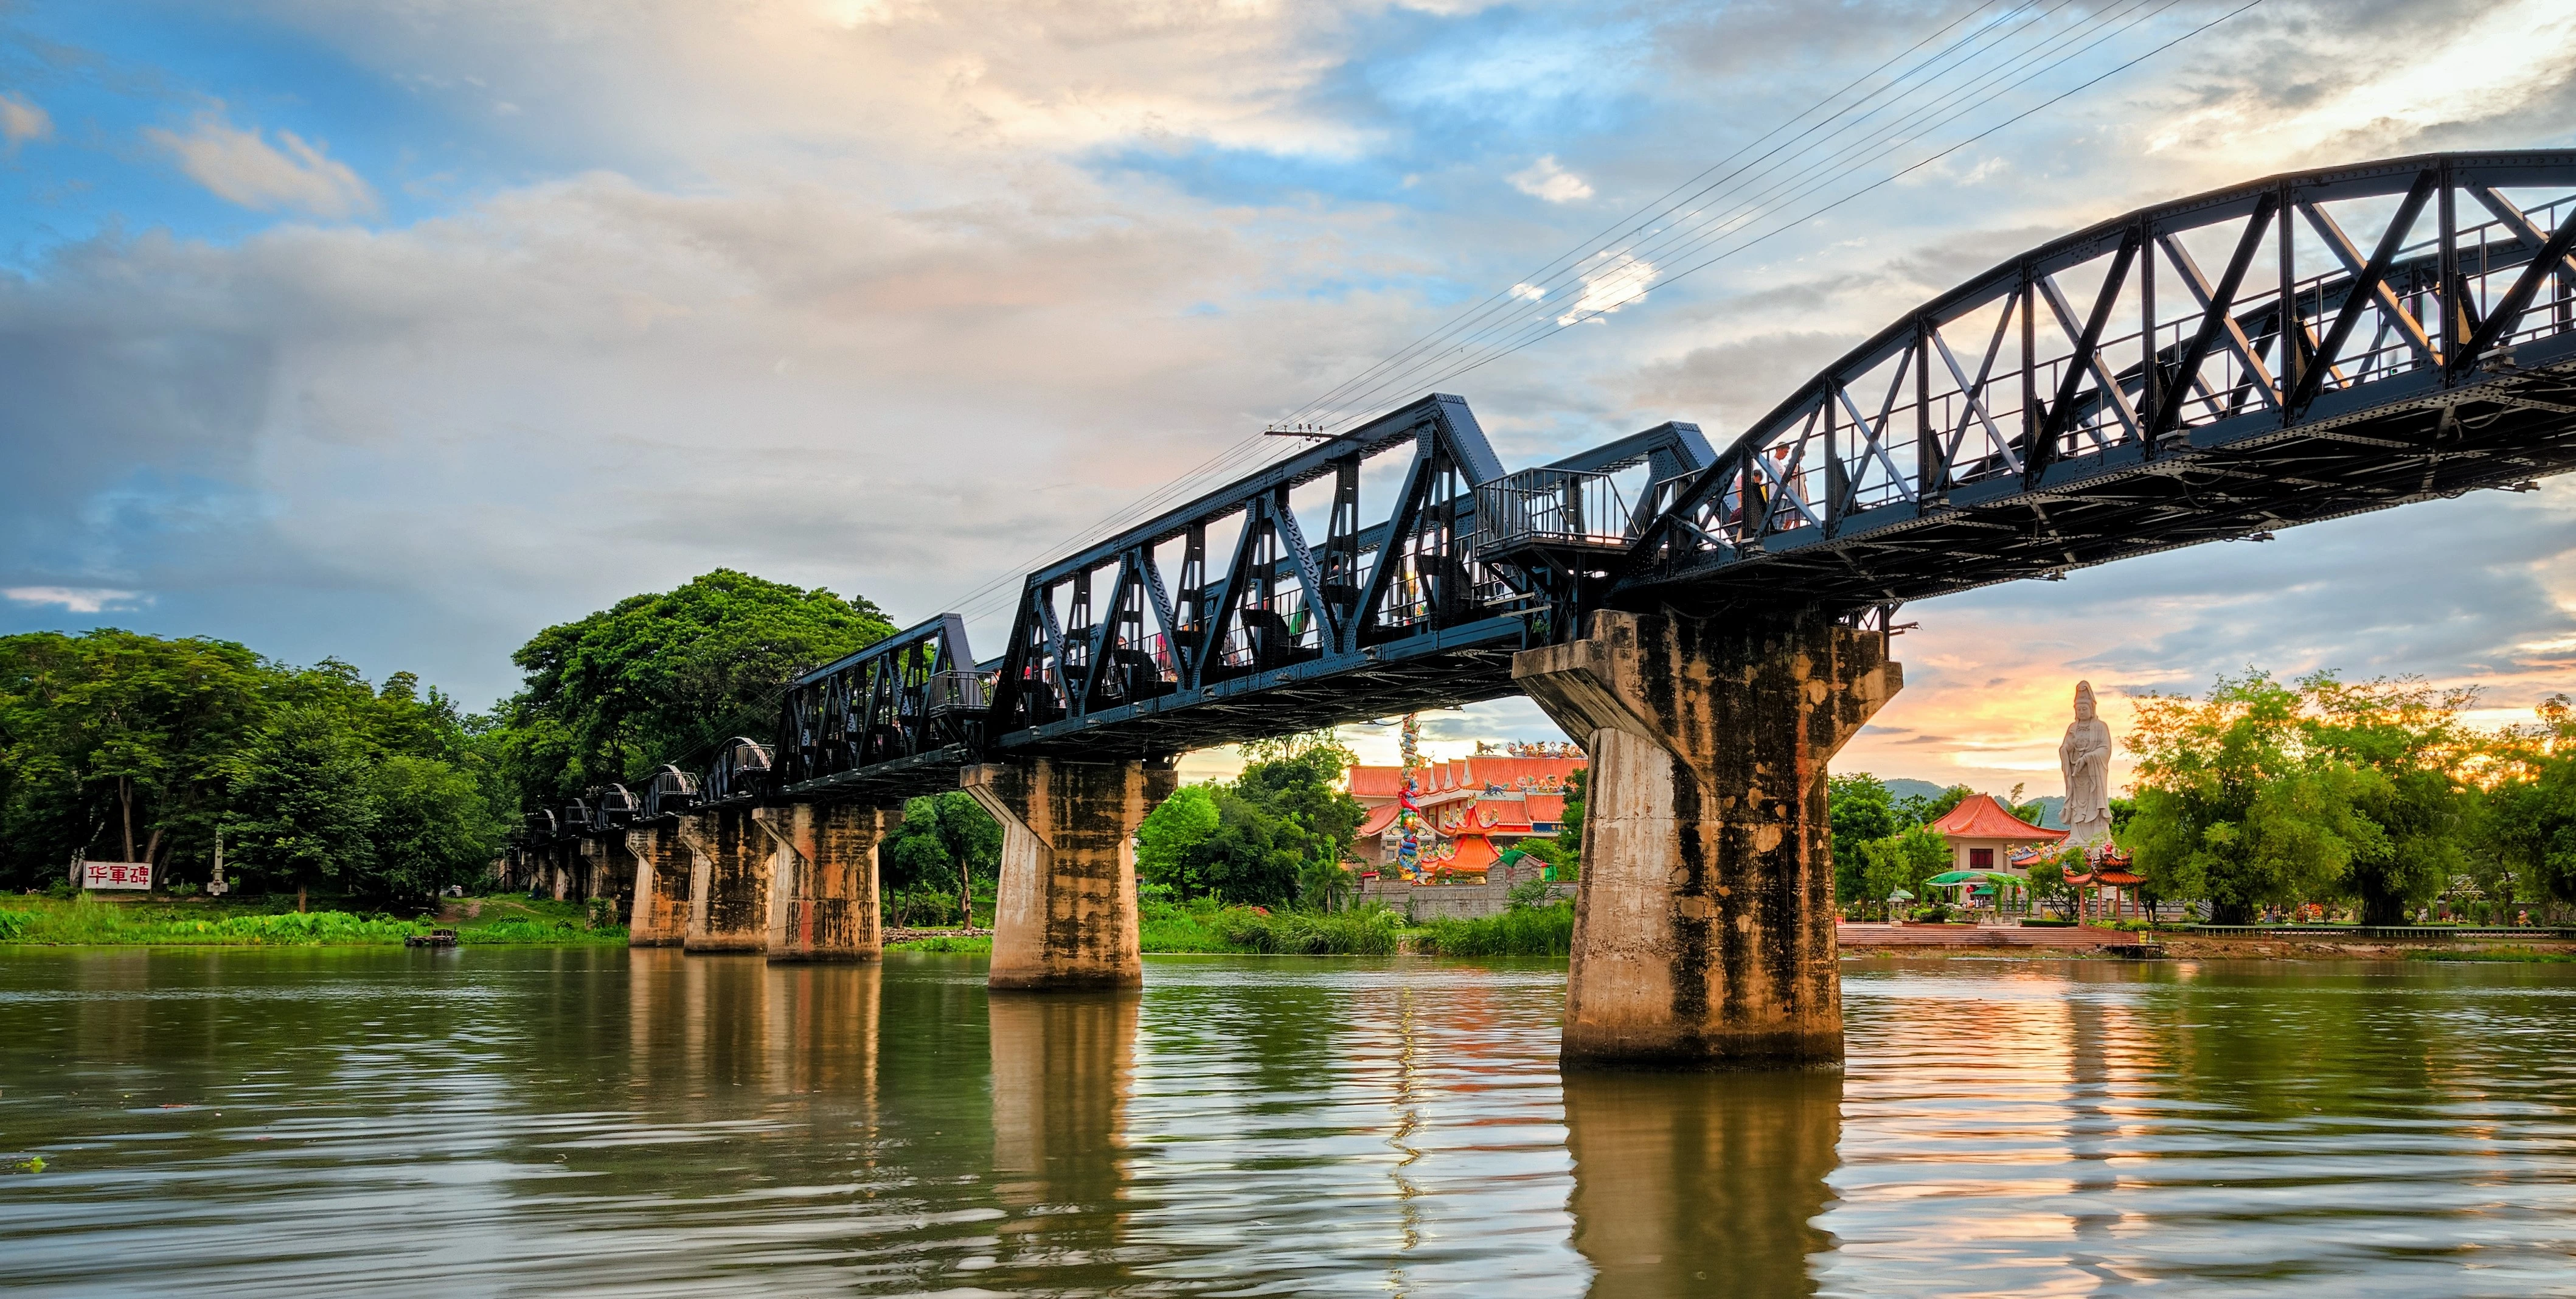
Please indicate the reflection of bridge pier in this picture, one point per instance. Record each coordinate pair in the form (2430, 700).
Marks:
(1704, 929)
(1062, 1069)
(781, 1030)
(1066, 914)
(1701, 1184)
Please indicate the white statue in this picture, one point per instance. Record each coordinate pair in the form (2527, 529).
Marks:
(2084, 759)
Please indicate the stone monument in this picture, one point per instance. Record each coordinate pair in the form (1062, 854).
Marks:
(2084, 759)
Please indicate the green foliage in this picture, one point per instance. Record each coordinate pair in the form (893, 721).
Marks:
(136, 747)
(660, 677)
(947, 847)
(1367, 931)
(1171, 836)
(1860, 809)
(947, 944)
(90, 922)
(2525, 839)
(117, 742)
(1532, 931)
(2266, 793)
(1528, 894)
(303, 812)
(1274, 836)
(1902, 862)
(1578, 797)
(1554, 853)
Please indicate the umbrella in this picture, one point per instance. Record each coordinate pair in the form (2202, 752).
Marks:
(1900, 896)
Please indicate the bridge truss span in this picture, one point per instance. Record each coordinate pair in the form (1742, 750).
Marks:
(2292, 349)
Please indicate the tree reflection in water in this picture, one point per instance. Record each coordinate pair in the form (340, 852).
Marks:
(1701, 1183)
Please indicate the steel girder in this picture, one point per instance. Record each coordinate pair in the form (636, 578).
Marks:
(2297, 348)
(2434, 358)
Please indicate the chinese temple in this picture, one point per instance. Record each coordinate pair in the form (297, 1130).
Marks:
(1983, 834)
(1433, 821)
(2107, 887)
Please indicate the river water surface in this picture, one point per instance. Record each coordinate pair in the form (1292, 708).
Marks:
(598, 1121)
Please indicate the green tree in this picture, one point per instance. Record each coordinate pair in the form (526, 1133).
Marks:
(2423, 805)
(946, 841)
(2526, 836)
(2233, 807)
(303, 812)
(1169, 840)
(116, 743)
(1859, 809)
(663, 677)
(1903, 861)
(1578, 796)
(1281, 829)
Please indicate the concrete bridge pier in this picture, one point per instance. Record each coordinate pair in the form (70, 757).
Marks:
(1704, 923)
(607, 868)
(659, 916)
(728, 881)
(823, 880)
(1066, 917)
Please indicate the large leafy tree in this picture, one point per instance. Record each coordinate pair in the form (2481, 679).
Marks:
(2526, 838)
(947, 842)
(1860, 809)
(1276, 835)
(115, 743)
(665, 677)
(2413, 740)
(304, 804)
(2234, 805)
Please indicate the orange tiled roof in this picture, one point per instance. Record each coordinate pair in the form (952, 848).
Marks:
(1979, 816)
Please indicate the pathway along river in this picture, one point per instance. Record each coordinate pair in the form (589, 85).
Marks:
(558, 1122)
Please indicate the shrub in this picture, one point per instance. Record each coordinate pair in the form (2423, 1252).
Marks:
(1529, 931)
(1366, 931)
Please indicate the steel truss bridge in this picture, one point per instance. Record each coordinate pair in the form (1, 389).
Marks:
(2298, 348)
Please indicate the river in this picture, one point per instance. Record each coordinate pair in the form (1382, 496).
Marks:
(597, 1121)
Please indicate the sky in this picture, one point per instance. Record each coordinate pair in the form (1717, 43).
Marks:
(394, 333)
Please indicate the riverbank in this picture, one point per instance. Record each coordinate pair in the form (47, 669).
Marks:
(507, 920)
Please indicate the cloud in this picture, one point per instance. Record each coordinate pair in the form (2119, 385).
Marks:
(22, 119)
(1543, 179)
(71, 599)
(243, 167)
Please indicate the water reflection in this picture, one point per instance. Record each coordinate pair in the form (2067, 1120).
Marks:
(1062, 1068)
(1701, 1184)
(318, 1122)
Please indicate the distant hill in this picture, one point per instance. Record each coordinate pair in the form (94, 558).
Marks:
(1903, 788)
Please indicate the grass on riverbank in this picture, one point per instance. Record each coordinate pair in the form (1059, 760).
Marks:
(1526, 931)
(2494, 954)
(273, 922)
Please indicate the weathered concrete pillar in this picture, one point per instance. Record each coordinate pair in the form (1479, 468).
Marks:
(729, 881)
(1066, 917)
(823, 880)
(659, 916)
(1704, 923)
(607, 869)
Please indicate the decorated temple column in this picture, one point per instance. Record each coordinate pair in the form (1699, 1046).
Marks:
(1704, 922)
(1066, 914)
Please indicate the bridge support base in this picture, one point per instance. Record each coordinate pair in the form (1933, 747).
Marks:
(659, 916)
(728, 881)
(607, 869)
(1066, 917)
(823, 880)
(1704, 925)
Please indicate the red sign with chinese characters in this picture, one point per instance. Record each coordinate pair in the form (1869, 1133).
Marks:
(116, 874)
